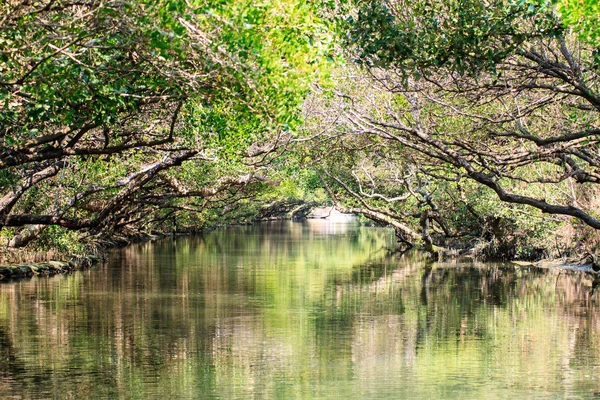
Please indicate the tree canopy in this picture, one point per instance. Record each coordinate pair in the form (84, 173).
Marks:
(454, 101)
(102, 100)
(457, 122)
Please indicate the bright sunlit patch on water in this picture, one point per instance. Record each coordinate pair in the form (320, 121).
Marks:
(331, 214)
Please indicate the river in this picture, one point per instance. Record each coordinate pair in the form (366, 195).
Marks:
(291, 310)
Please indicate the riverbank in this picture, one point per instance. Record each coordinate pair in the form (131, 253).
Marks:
(49, 268)
(24, 263)
(563, 265)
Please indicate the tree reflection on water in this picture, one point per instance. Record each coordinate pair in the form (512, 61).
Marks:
(297, 310)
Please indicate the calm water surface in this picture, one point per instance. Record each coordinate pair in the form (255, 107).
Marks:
(298, 311)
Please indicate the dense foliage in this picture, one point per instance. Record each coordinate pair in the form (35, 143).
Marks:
(125, 115)
(582, 15)
(467, 122)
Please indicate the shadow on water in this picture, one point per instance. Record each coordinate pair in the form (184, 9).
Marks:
(297, 310)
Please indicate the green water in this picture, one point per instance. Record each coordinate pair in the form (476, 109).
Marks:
(298, 310)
